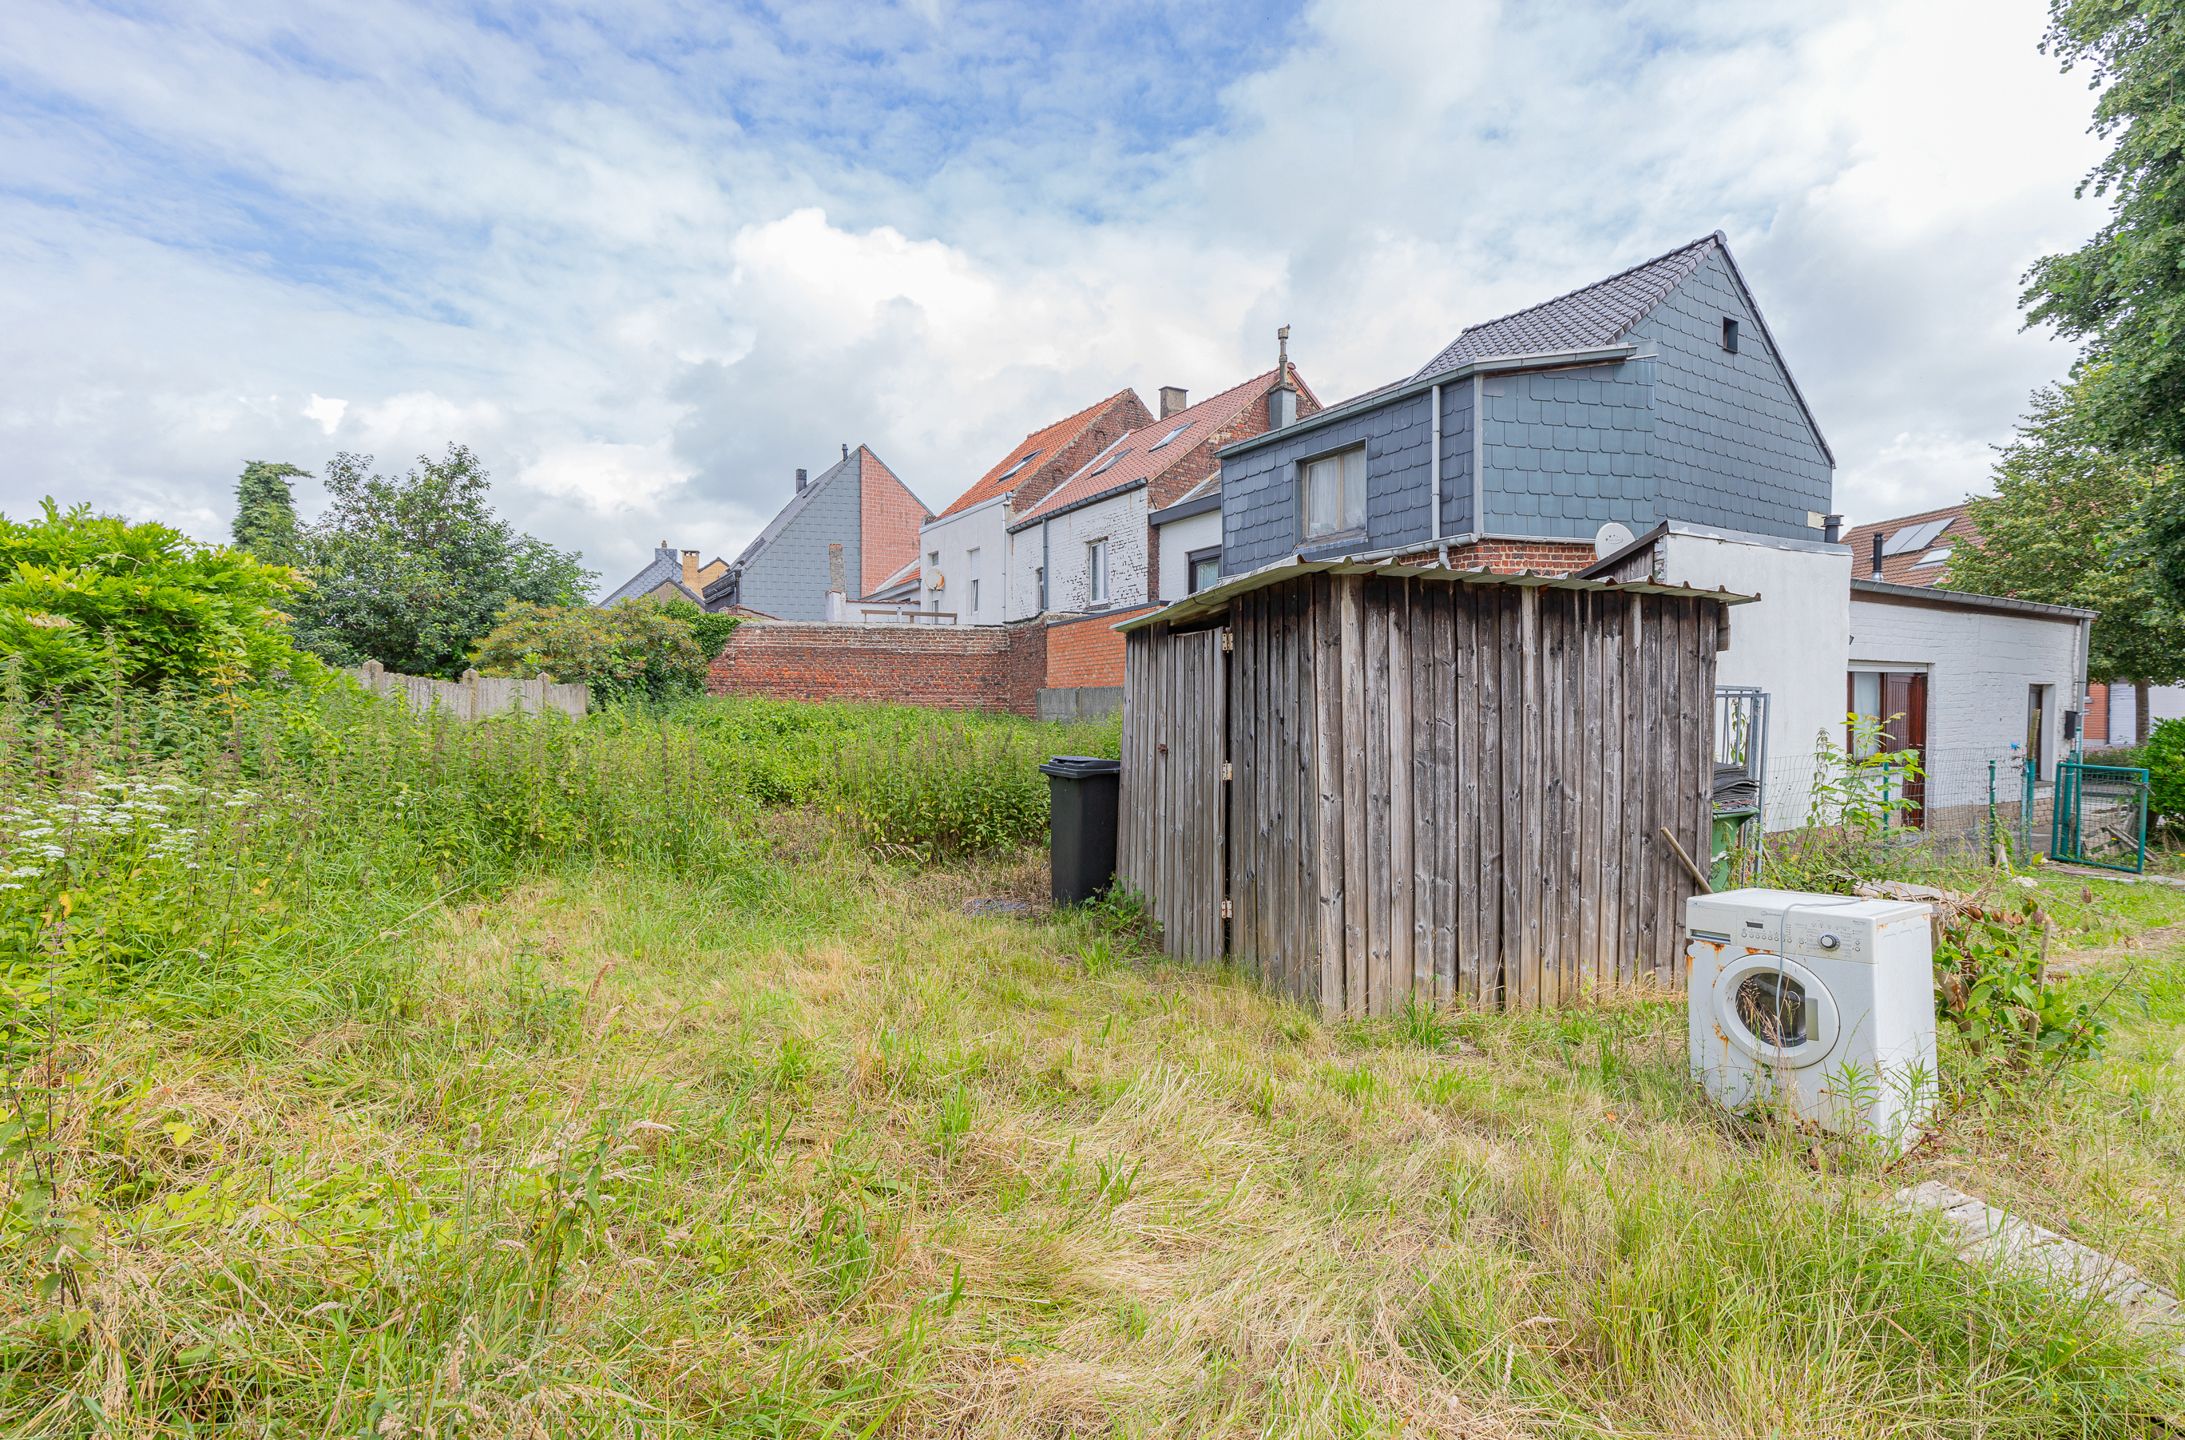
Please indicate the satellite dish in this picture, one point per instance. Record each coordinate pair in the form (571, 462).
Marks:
(1610, 538)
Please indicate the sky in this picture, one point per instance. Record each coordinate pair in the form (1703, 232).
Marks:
(648, 259)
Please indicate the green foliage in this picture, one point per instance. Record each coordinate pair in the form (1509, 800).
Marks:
(265, 511)
(709, 629)
(412, 570)
(1855, 813)
(2123, 292)
(84, 597)
(2068, 525)
(2164, 757)
(1993, 987)
(638, 650)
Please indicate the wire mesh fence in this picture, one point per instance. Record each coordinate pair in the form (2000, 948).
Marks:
(1952, 800)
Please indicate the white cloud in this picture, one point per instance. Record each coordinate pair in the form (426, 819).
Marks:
(647, 267)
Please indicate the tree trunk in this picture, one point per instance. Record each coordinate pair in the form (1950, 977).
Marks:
(2139, 712)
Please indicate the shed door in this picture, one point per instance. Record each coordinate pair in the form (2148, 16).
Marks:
(1175, 833)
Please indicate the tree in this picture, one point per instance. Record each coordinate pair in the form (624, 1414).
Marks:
(410, 570)
(640, 649)
(265, 510)
(2123, 292)
(2068, 525)
(84, 597)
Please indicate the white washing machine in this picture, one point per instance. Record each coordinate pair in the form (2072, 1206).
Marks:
(1823, 1003)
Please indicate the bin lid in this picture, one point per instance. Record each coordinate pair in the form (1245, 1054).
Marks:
(1080, 767)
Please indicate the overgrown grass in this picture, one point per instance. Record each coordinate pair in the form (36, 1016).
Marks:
(711, 1121)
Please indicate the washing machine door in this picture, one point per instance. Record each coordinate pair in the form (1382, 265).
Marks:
(1776, 1010)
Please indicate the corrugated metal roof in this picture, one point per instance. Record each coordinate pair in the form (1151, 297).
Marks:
(1215, 599)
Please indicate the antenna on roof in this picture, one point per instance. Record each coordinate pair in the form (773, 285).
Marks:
(845, 449)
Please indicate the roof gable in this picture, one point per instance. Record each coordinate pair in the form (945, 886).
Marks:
(1583, 319)
(1910, 544)
(1033, 456)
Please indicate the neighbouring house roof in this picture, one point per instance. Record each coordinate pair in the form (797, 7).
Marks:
(1200, 498)
(1966, 600)
(1215, 599)
(1605, 312)
(1144, 455)
(889, 515)
(1915, 548)
(666, 568)
(1025, 459)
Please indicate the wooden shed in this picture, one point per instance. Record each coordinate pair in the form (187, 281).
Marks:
(1366, 783)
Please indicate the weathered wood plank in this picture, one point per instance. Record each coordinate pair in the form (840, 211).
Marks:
(1328, 762)
(1403, 765)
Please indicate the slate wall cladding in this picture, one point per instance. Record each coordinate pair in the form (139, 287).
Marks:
(788, 579)
(1259, 488)
(1732, 444)
(1565, 451)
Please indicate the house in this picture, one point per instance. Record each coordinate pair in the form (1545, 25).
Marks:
(966, 547)
(1657, 394)
(671, 574)
(1088, 544)
(844, 533)
(1187, 540)
(1915, 550)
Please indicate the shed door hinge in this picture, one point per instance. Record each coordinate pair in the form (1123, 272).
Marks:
(1228, 641)
(1228, 909)
(1228, 771)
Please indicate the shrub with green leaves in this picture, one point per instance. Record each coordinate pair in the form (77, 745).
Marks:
(638, 650)
(2164, 757)
(85, 597)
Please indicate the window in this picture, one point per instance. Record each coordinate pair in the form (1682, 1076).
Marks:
(1890, 707)
(1204, 567)
(1729, 333)
(1335, 493)
(974, 595)
(1096, 571)
(1028, 459)
(1168, 437)
(1039, 582)
(971, 581)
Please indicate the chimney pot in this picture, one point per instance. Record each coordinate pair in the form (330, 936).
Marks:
(1832, 529)
(845, 449)
(1877, 554)
(1173, 398)
(800, 479)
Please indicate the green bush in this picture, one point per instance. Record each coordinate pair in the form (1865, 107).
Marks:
(2164, 757)
(84, 597)
(638, 650)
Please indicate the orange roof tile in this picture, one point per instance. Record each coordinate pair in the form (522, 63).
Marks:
(1003, 477)
(1905, 563)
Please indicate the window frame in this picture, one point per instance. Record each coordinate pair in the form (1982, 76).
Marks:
(1193, 559)
(1342, 529)
(1096, 572)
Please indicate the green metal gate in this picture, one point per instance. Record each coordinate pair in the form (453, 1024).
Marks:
(2100, 816)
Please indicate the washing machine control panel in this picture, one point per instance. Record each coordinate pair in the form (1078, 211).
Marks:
(1832, 936)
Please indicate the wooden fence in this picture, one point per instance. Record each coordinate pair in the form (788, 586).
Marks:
(1439, 787)
(475, 696)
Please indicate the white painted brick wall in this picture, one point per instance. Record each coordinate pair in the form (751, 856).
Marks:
(1120, 520)
(1178, 539)
(983, 528)
(1979, 666)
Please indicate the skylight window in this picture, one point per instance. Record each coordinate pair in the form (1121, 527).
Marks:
(1934, 557)
(1168, 437)
(1029, 457)
(1916, 537)
(1103, 465)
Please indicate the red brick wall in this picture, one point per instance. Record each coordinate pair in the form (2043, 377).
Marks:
(970, 667)
(1507, 557)
(1088, 650)
(887, 526)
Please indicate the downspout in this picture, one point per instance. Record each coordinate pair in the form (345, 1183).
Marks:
(1479, 458)
(1433, 471)
(1046, 576)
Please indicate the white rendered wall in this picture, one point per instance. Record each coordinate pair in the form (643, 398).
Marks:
(1178, 538)
(1793, 642)
(983, 528)
(1980, 665)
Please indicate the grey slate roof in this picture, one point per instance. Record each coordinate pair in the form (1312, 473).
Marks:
(665, 568)
(1586, 318)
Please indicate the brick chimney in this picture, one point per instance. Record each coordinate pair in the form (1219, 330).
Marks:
(1173, 398)
(837, 583)
(690, 571)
